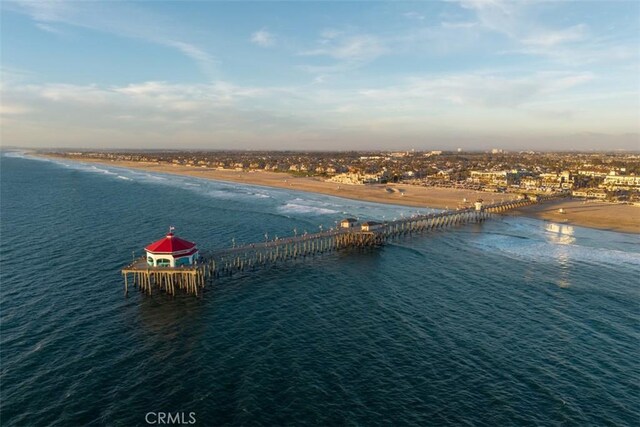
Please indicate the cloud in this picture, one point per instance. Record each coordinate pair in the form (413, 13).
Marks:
(413, 15)
(118, 18)
(13, 109)
(476, 90)
(147, 112)
(350, 51)
(263, 38)
(526, 33)
(513, 18)
(49, 28)
(205, 60)
(223, 114)
(547, 38)
(458, 25)
(330, 33)
(497, 15)
(68, 93)
(157, 96)
(360, 47)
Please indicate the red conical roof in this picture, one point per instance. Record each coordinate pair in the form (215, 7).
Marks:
(170, 244)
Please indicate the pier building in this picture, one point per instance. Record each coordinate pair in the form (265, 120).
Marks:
(348, 222)
(171, 251)
(371, 226)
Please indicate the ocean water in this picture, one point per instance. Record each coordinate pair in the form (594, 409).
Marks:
(511, 322)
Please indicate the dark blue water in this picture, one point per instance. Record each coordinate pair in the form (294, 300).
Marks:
(512, 322)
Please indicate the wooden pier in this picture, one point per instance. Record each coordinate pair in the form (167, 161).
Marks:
(192, 279)
(168, 279)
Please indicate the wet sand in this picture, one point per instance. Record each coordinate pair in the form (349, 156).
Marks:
(600, 215)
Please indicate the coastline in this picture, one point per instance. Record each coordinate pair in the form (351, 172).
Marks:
(598, 215)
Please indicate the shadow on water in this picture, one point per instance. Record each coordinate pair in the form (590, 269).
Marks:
(160, 313)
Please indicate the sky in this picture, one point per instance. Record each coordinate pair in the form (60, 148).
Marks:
(470, 74)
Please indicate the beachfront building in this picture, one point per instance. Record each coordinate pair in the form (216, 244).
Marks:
(495, 178)
(358, 178)
(622, 182)
(590, 193)
(530, 183)
(556, 181)
(171, 251)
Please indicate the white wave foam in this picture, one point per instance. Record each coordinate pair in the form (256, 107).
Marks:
(555, 251)
(24, 155)
(305, 209)
(125, 178)
(100, 170)
(260, 195)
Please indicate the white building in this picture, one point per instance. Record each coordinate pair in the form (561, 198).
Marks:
(171, 251)
(622, 182)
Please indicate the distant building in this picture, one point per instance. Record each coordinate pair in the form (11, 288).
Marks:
(592, 173)
(433, 153)
(171, 251)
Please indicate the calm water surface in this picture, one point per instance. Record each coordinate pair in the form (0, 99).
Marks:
(511, 322)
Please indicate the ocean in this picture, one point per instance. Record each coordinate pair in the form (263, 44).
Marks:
(513, 321)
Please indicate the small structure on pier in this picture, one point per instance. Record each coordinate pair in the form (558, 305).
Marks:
(171, 251)
(478, 204)
(371, 226)
(348, 223)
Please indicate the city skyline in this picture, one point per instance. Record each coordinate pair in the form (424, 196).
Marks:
(321, 75)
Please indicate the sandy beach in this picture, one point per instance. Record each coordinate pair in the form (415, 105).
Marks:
(600, 215)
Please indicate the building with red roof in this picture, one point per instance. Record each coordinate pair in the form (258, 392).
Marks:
(171, 251)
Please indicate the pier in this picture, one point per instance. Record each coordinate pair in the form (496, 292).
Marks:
(191, 279)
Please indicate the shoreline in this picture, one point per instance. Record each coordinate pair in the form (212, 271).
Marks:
(590, 214)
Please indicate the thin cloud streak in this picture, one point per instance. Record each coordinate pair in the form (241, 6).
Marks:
(92, 16)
